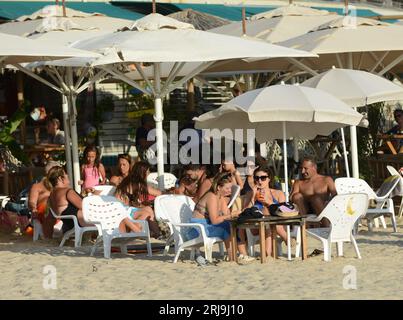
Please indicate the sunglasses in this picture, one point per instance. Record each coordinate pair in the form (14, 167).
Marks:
(262, 178)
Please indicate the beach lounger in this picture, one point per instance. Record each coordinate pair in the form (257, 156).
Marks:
(106, 212)
(383, 204)
(342, 211)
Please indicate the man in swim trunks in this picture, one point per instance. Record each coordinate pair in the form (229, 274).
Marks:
(313, 191)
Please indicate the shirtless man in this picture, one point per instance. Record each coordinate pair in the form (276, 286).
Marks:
(37, 202)
(313, 192)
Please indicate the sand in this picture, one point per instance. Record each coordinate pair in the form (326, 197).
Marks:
(379, 274)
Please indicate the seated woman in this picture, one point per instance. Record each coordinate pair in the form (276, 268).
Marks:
(37, 202)
(262, 196)
(124, 167)
(209, 212)
(134, 191)
(63, 200)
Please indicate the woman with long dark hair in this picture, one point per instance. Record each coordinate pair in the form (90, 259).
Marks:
(262, 196)
(134, 191)
(124, 167)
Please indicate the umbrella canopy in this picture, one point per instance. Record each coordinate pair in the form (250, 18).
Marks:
(279, 24)
(356, 88)
(55, 11)
(363, 44)
(281, 112)
(156, 38)
(65, 30)
(16, 49)
(49, 25)
(306, 112)
(200, 20)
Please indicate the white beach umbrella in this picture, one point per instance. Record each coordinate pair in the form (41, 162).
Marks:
(49, 24)
(356, 88)
(282, 112)
(280, 24)
(16, 49)
(353, 43)
(155, 39)
(50, 18)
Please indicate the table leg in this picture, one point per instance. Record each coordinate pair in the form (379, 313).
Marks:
(262, 237)
(274, 241)
(304, 244)
(233, 243)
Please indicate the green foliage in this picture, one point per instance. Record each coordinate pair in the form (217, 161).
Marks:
(6, 134)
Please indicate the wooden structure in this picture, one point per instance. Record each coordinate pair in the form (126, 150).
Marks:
(377, 165)
(12, 183)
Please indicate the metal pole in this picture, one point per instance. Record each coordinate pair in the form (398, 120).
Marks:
(154, 7)
(67, 138)
(243, 21)
(345, 153)
(158, 117)
(64, 8)
(73, 130)
(285, 161)
(353, 134)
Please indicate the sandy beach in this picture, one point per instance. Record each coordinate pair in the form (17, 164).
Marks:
(135, 276)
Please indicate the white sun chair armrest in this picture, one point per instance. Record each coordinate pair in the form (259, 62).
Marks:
(196, 225)
(69, 217)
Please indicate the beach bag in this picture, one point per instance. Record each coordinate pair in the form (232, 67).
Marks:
(283, 209)
(249, 213)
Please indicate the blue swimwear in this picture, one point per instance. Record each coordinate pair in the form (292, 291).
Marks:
(221, 230)
(259, 205)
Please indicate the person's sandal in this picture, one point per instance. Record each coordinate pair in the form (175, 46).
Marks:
(245, 259)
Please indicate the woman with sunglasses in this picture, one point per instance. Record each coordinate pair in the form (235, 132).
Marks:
(124, 167)
(209, 212)
(262, 196)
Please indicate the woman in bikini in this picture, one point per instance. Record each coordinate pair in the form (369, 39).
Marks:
(209, 212)
(262, 196)
(63, 200)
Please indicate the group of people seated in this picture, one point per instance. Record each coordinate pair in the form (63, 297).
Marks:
(208, 185)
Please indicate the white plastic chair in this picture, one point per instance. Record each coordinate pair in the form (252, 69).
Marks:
(399, 189)
(178, 210)
(384, 204)
(106, 212)
(106, 190)
(77, 231)
(169, 180)
(342, 211)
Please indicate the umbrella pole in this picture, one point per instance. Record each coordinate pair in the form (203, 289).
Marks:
(73, 130)
(67, 145)
(353, 134)
(285, 161)
(158, 117)
(345, 152)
